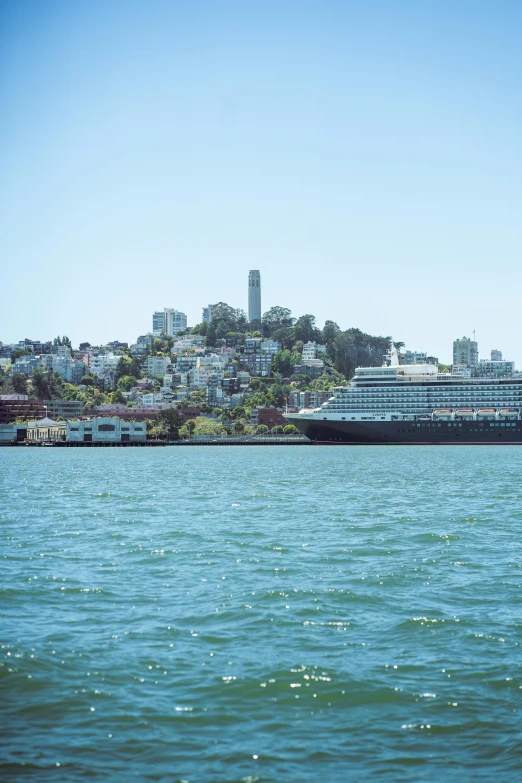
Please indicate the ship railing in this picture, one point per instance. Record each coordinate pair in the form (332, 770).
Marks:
(477, 414)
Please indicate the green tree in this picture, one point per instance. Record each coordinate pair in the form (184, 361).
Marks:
(19, 381)
(205, 426)
(87, 380)
(284, 335)
(117, 397)
(261, 429)
(353, 348)
(221, 331)
(135, 367)
(187, 429)
(305, 329)
(211, 335)
(56, 386)
(277, 317)
(330, 330)
(122, 368)
(234, 319)
(257, 384)
(19, 353)
(170, 421)
(59, 341)
(41, 385)
(289, 429)
(284, 361)
(126, 382)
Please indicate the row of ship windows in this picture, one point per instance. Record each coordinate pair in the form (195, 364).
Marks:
(480, 424)
(438, 403)
(424, 398)
(428, 390)
(438, 389)
(404, 408)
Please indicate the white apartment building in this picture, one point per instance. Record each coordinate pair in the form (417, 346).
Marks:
(198, 378)
(206, 315)
(103, 363)
(211, 362)
(465, 351)
(70, 370)
(188, 342)
(309, 359)
(150, 398)
(158, 365)
(496, 368)
(168, 321)
(310, 351)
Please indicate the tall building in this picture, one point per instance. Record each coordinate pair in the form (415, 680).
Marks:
(158, 323)
(465, 352)
(496, 355)
(168, 321)
(207, 314)
(254, 295)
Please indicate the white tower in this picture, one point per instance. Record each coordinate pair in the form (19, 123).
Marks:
(254, 295)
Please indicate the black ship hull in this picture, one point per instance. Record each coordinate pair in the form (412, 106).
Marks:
(409, 432)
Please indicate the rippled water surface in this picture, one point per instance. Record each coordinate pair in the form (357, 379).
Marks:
(261, 614)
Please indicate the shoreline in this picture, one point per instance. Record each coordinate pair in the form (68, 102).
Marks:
(290, 441)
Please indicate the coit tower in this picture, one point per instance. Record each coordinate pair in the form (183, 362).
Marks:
(254, 295)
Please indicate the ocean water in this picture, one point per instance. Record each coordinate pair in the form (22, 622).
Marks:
(261, 614)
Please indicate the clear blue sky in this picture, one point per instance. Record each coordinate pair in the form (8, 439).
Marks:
(365, 156)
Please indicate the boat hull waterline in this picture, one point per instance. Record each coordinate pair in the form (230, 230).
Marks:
(408, 432)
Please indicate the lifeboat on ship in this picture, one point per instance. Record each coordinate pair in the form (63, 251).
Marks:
(442, 414)
(508, 413)
(465, 413)
(486, 413)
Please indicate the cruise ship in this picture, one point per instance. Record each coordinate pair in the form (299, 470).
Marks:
(415, 403)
